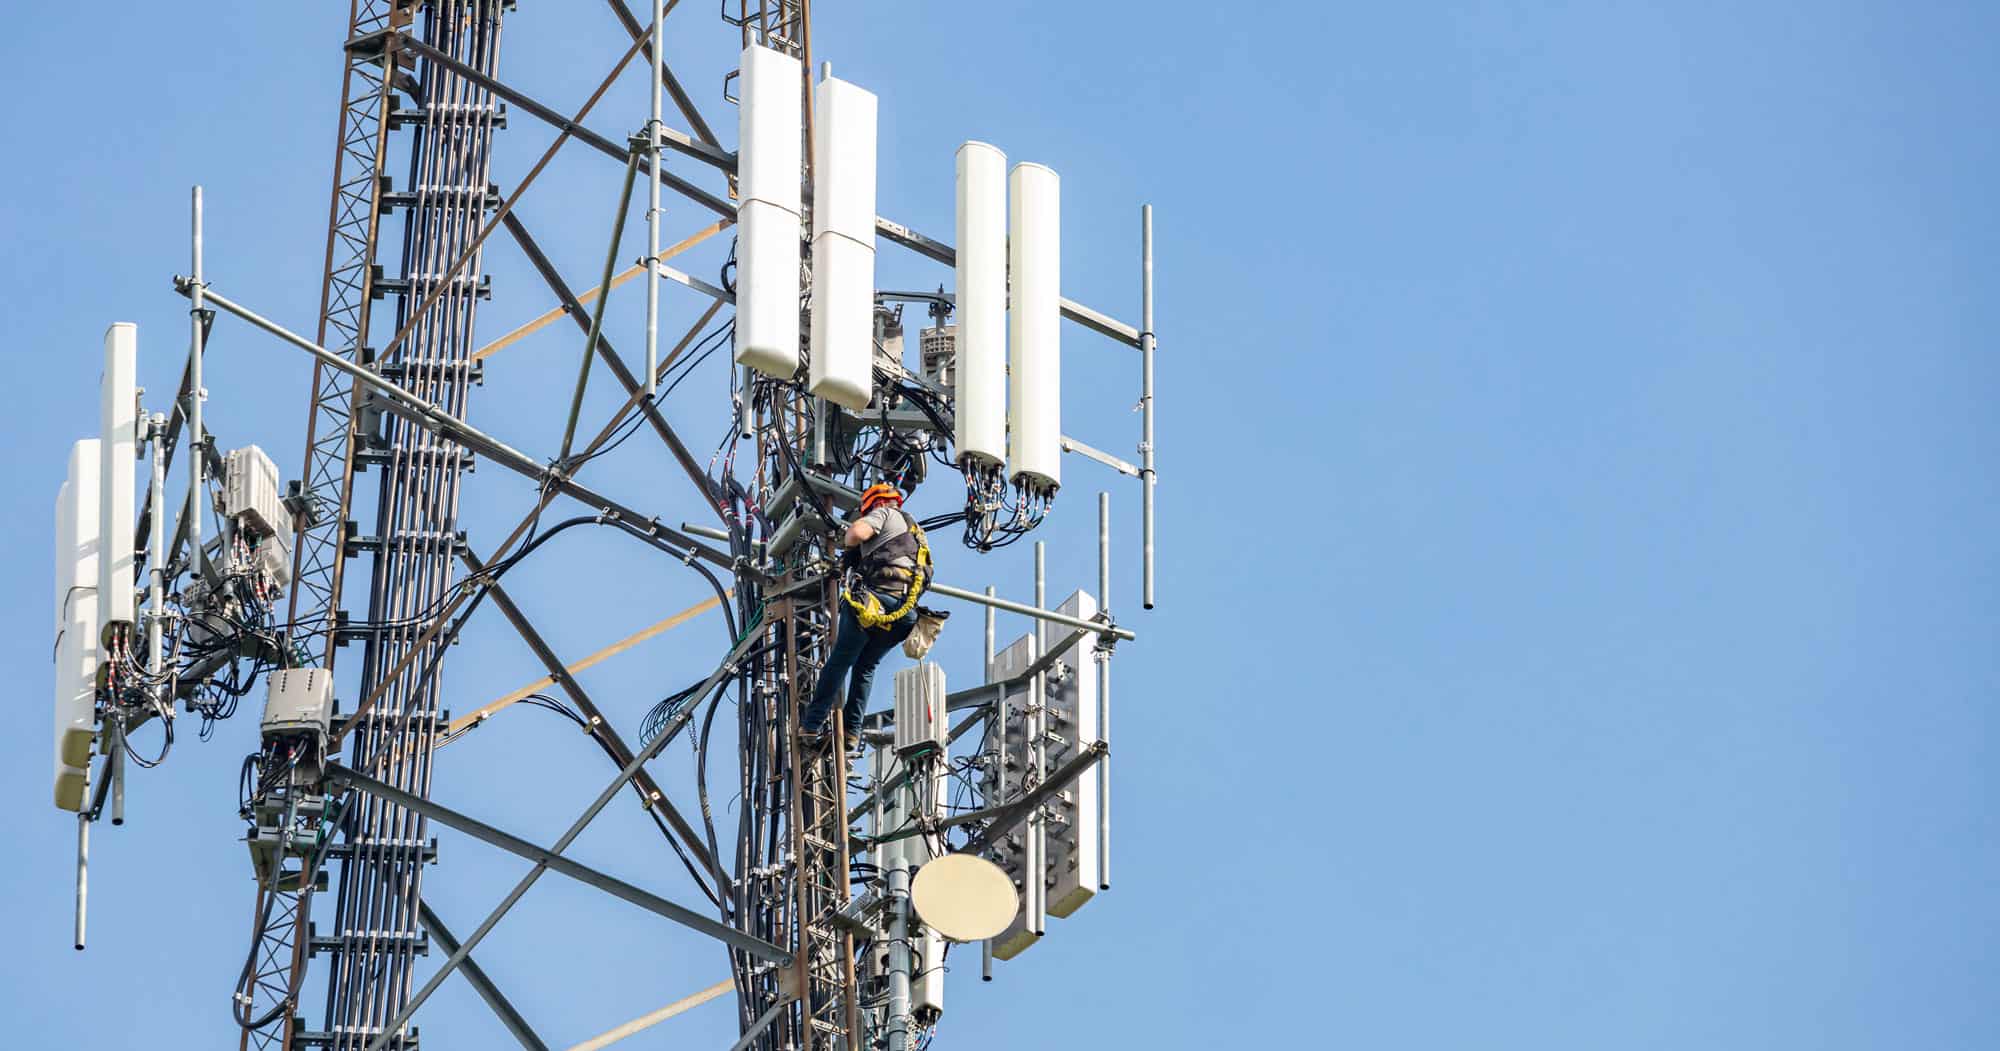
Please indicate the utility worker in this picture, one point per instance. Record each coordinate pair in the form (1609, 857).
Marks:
(877, 615)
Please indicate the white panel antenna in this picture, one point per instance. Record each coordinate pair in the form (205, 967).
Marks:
(843, 259)
(980, 429)
(78, 627)
(119, 393)
(771, 122)
(1020, 851)
(1034, 257)
(1075, 864)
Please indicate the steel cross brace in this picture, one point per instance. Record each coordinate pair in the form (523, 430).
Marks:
(480, 982)
(574, 308)
(762, 1023)
(679, 141)
(649, 790)
(552, 858)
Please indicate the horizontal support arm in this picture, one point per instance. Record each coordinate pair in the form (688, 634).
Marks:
(445, 425)
(1071, 445)
(1102, 627)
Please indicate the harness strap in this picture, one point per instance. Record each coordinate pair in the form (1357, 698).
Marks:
(868, 608)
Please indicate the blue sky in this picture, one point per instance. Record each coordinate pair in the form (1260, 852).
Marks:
(1577, 510)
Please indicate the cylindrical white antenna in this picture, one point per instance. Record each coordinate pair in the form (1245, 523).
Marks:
(1034, 335)
(980, 427)
(119, 407)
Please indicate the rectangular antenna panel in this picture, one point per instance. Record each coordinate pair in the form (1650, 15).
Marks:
(1075, 865)
(920, 708)
(770, 125)
(844, 161)
(980, 426)
(770, 129)
(1034, 258)
(119, 408)
(78, 535)
(767, 289)
(843, 321)
(843, 262)
(1019, 853)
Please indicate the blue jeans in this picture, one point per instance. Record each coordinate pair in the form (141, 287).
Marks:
(856, 652)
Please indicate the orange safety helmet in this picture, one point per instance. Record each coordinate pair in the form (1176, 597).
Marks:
(882, 493)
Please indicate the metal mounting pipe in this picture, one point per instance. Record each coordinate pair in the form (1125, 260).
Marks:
(116, 726)
(1036, 724)
(658, 66)
(197, 558)
(1147, 475)
(156, 582)
(1102, 656)
(597, 310)
(1100, 626)
(896, 879)
(999, 716)
(82, 868)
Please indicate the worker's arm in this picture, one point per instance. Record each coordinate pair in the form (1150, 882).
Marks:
(858, 533)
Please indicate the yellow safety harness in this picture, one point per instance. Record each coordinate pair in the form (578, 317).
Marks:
(868, 608)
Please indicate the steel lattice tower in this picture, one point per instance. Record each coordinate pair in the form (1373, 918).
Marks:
(376, 570)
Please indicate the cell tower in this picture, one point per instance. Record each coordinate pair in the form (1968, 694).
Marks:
(862, 853)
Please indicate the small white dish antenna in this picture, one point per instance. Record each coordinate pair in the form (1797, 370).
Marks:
(964, 897)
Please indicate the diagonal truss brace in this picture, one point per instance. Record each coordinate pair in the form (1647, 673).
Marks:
(548, 858)
(692, 147)
(574, 306)
(763, 949)
(480, 982)
(649, 790)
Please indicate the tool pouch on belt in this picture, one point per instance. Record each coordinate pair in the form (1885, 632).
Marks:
(929, 623)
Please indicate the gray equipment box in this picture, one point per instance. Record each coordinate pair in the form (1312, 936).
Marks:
(250, 492)
(299, 702)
